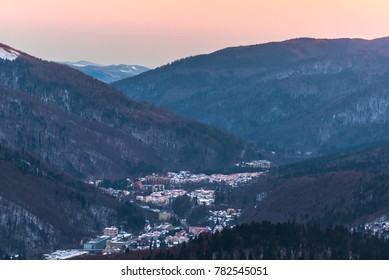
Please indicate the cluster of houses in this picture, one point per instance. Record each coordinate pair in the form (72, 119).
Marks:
(379, 228)
(233, 180)
(224, 218)
(166, 197)
(161, 198)
(265, 164)
(160, 191)
(119, 194)
(156, 183)
(65, 254)
(203, 197)
(186, 177)
(114, 241)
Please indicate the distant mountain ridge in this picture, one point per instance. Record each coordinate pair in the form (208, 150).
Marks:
(107, 74)
(309, 95)
(91, 130)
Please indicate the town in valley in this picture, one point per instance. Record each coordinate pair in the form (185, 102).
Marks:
(178, 207)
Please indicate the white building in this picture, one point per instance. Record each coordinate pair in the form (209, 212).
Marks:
(111, 231)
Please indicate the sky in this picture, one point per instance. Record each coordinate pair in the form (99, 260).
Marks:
(155, 32)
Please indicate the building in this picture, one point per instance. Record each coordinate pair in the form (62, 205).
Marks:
(156, 180)
(204, 197)
(97, 244)
(205, 201)
(116, 246)
(138, 185)
(161, 197)
(230, 211)
(154, 188)
(164, 227)
(196, 231)
(164, 216)
(218, 228)
(111, 231)
(64, 254)
(256, 164)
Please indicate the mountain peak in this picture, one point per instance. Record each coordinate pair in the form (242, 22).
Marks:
(109, 73)
(81, 63)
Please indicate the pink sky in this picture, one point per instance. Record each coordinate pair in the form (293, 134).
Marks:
(155, 32)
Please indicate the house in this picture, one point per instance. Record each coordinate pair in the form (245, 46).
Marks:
(164, 227)
(154, 188)
(111, 231)
(97, 244)
(116, 246)
(196, 231)
(164, 216)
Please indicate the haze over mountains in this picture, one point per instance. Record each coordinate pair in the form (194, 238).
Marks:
(90, 130)
(309, 95)
(109, 73)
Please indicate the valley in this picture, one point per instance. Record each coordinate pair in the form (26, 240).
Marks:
(347, 190)
(284, 137)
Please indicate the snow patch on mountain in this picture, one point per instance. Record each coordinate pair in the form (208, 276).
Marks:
(81, 63)
(109, 73)
(8, 54)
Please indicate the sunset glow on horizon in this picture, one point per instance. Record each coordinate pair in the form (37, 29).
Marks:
(154, 32)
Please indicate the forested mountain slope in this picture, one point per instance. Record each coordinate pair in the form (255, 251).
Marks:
(91, 130)
(309, 95)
